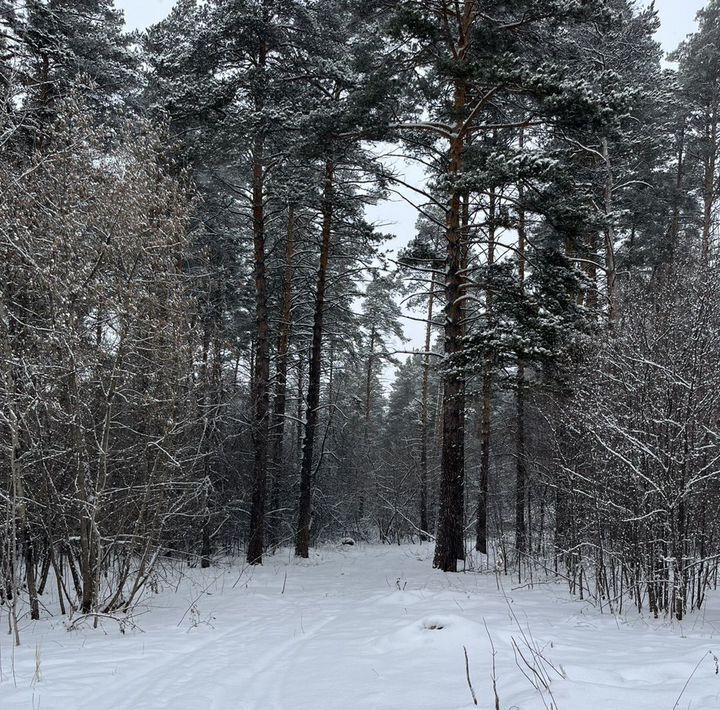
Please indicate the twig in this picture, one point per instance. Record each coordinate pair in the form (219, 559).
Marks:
(467, 675)
(494, 672)
(690, 677)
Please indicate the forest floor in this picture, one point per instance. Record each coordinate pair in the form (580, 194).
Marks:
(363, 628)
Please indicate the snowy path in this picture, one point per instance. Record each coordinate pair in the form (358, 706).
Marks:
(352, 631)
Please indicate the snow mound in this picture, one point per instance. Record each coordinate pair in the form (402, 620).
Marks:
(436, 623)
(444, 631)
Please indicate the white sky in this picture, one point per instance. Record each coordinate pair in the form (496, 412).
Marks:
(396, 216)
(678, 20)
(142, 13)
(677, 16)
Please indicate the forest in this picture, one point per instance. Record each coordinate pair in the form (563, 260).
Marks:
(204, 350)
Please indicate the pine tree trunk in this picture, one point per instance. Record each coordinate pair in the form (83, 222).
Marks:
(261, 370)
(709, 181)
(610, 265)
(368, 385)
(450, 538)
(486, 407)
(299, 427)
(209, 404)
(680, 174)
(366, 459)
(280, 398)
(424, 415)
(302, 539)
(521, 537)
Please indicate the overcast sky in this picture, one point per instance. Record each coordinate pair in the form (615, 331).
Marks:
(678, 20)
(141, 13)
(677, 16)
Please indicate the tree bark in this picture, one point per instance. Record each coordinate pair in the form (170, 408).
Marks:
(302, 539)
(283, 346)
(450, 545)
(679, 175)
(424, 415)
(450, 538)
(486, 408)
(521, 541)
(610, 265)
(709, 179)
(261, 370)
(366, 459)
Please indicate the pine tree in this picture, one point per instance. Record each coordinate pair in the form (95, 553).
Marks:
(472, 71)
(699, 76)
(56, 45)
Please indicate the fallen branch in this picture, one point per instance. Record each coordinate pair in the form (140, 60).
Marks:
(122, 622)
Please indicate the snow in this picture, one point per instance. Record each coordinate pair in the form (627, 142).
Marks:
(362, 628)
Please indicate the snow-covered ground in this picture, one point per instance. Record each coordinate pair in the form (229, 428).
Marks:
(363, 628)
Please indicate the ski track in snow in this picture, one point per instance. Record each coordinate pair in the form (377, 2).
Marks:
(362, 628)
